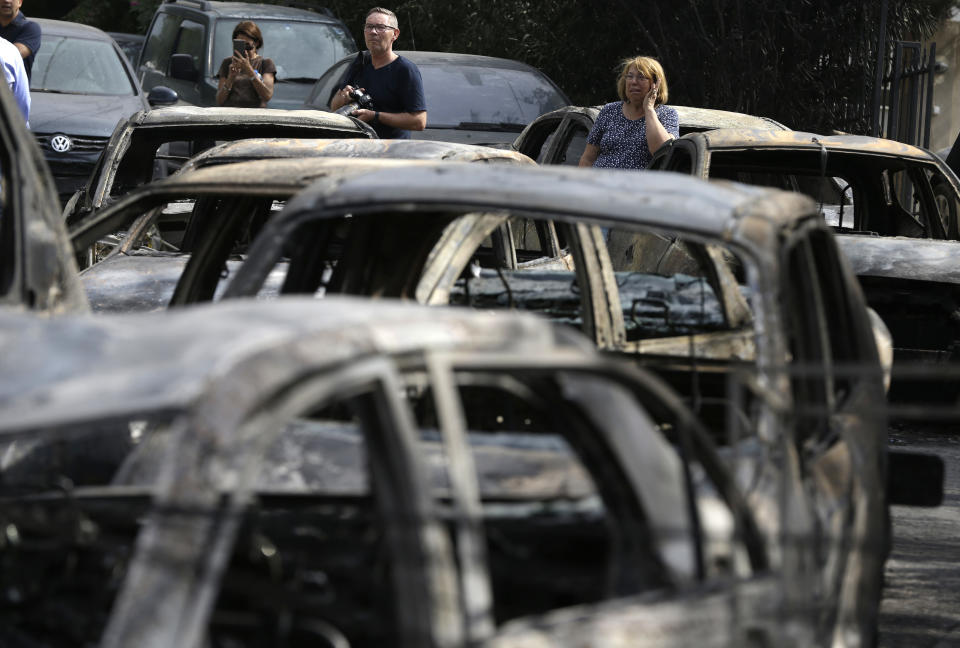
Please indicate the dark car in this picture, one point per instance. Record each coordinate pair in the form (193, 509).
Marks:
(81, 86)
(130, 44)
(470, 99)
(187, 40)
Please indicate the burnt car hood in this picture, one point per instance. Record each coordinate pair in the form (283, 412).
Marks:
(902, 258)
(92, 115)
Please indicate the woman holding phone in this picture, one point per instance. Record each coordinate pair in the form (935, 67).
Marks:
(628, 132)
(246, 78)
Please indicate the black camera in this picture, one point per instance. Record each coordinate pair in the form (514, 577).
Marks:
(240, 46)
(358, 99)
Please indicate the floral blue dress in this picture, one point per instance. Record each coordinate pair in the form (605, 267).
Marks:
(623, 142)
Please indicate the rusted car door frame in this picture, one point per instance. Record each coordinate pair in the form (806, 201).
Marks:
(692, 443)
(220, 435)
(37, 269)
(846, 473)
(536, 135)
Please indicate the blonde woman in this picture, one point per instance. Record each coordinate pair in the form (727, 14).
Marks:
(628, 132)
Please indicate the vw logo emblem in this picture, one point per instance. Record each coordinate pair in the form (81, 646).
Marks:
(61, 143)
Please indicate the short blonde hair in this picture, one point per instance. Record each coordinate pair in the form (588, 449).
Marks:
(648, 67)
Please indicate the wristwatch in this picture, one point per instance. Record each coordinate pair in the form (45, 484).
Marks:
(376, 117)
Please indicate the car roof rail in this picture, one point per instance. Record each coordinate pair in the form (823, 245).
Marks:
(306, 5)
(204, 5)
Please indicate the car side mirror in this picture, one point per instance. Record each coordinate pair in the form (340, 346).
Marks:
(162, 96)
(182, 67)
(914, 479)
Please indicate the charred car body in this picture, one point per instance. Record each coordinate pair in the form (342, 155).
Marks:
(388, 473)
(559, 137)
(885, 200)
(653, 281)
(169, 226)
(154, 143)
(37, 269)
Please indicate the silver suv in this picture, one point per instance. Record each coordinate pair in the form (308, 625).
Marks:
(188, 39)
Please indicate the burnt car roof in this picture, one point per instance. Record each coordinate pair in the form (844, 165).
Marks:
(199, 115)
(190, 346)
(692, 118)
(266, 147)
(677, 202)
(766, 138)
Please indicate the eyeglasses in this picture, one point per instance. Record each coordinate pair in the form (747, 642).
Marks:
(377, 28)
(635, 77)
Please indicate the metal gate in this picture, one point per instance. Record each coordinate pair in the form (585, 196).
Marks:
(903, 89)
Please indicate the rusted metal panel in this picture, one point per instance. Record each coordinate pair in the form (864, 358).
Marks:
(787, 139)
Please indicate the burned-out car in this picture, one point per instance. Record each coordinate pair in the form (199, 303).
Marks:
(166, 228)
(914, 285)
(263, 148)
(737, 296)
(154, 143)
(881, 197)
(559, 136)
(37, 269)
(355, 473)
(863, 184)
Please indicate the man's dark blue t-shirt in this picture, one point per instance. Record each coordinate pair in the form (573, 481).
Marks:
(21, 30)
(394, 88)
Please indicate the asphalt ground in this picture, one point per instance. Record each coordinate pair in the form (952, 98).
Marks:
(921, 598)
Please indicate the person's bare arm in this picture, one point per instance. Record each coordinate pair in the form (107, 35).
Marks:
(24, 50)
(405, 120)
(263, 86)
(657, 135)
(590, 153)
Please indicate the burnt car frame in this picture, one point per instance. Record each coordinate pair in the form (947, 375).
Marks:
(423, 232)
(139, 148)
(207, 488)
(891, 205)
(166, 223)
(864, 184)
(37, 269)
(559, 137)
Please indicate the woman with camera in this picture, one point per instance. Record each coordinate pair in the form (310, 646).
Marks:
(246, 78)
(628, 132)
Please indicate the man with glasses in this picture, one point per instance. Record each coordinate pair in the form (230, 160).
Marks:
(392, 81)
(23, 33)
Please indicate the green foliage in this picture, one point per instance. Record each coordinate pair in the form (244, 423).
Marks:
(807, 63)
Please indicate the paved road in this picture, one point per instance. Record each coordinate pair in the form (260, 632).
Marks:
(921, 601)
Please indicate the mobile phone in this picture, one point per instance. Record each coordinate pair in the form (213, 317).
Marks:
(240, 46)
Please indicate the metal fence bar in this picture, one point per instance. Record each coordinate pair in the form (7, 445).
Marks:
(928, 108)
